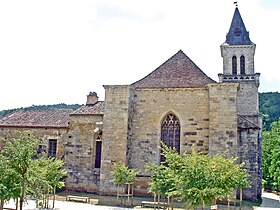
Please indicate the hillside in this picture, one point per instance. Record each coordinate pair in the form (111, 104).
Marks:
(269, 107)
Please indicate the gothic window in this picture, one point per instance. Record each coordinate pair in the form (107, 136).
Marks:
(242, 65)
(170, 132)
(234, 65)
(52, 148)
(98, 146)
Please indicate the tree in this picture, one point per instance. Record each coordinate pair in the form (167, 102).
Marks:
(44, 178)
(9, 182)
(123, 176)
(20, 153)
(197, 179)
(271, 156)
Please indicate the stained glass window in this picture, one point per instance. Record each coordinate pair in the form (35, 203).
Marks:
(170, 132)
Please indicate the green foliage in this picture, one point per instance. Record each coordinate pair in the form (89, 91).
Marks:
(123, 175)
(271, 156)
(195, 178)
(44, 178)
(270, 108)
(10, 182)
(42, 107)
(21, 172)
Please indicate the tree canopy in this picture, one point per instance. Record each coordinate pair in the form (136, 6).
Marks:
(196, 179)
(271, 156)
(21, 172)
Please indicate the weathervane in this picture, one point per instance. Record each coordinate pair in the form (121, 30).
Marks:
(235, 3)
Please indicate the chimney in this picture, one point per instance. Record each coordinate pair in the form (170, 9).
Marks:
(92, 98)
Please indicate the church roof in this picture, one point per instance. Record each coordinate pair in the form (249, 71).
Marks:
(37, 118)
(238, 35)
(95, 109)
(179, 71)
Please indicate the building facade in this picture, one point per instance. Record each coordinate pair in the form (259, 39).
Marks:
(177, 103)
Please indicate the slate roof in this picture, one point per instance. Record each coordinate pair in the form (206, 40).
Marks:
(37, 119)
(238, 35)
(95, 109)
(179, 71)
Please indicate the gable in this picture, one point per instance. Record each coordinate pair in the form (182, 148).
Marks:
(179, 71)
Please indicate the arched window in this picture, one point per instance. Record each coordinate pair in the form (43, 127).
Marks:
(234, 65)
(170, 132)
(98, 147)
(242, 65)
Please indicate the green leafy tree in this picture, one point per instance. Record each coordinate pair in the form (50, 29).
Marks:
(20, 153)
(44, 178)
(271, 156)
(197, 179)
(122, 174)
(9, 182)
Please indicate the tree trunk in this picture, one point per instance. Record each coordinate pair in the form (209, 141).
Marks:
(155, 200)
(2, 203)
(240, 203)
(22, 193)
(54, 190)
(172, 202)
(17, 204)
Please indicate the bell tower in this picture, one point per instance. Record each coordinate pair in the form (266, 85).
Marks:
(238, 53)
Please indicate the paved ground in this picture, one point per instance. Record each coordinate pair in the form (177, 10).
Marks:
(63, 205)
(270, 201)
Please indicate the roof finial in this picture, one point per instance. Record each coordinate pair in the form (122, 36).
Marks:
(235, 3)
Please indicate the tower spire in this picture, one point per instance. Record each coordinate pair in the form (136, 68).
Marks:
(238, 35)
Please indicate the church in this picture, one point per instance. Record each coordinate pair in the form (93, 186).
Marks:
(177, 103)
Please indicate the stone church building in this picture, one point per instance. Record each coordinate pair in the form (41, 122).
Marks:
(177, 103)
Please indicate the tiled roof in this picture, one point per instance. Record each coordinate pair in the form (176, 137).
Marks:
(37, 118)
(94, 109)
(179, 71)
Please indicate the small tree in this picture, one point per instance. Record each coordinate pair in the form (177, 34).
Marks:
(122, 176)
(44, 178)
(9, 182)
(20, 153)
(197, 178)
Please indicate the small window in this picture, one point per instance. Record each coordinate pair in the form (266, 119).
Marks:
(52, 148)
(234, 65)
(98, 153)
(242, 65)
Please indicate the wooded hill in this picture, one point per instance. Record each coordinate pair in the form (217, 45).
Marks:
(269, 107)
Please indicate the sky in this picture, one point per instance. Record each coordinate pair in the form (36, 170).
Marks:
(57, 51)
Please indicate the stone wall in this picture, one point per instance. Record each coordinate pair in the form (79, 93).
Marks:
(149, 107)
(115, 133)
(250, 152)
(248, 98)
(80, 147)
(43, 134)
(223, 118)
